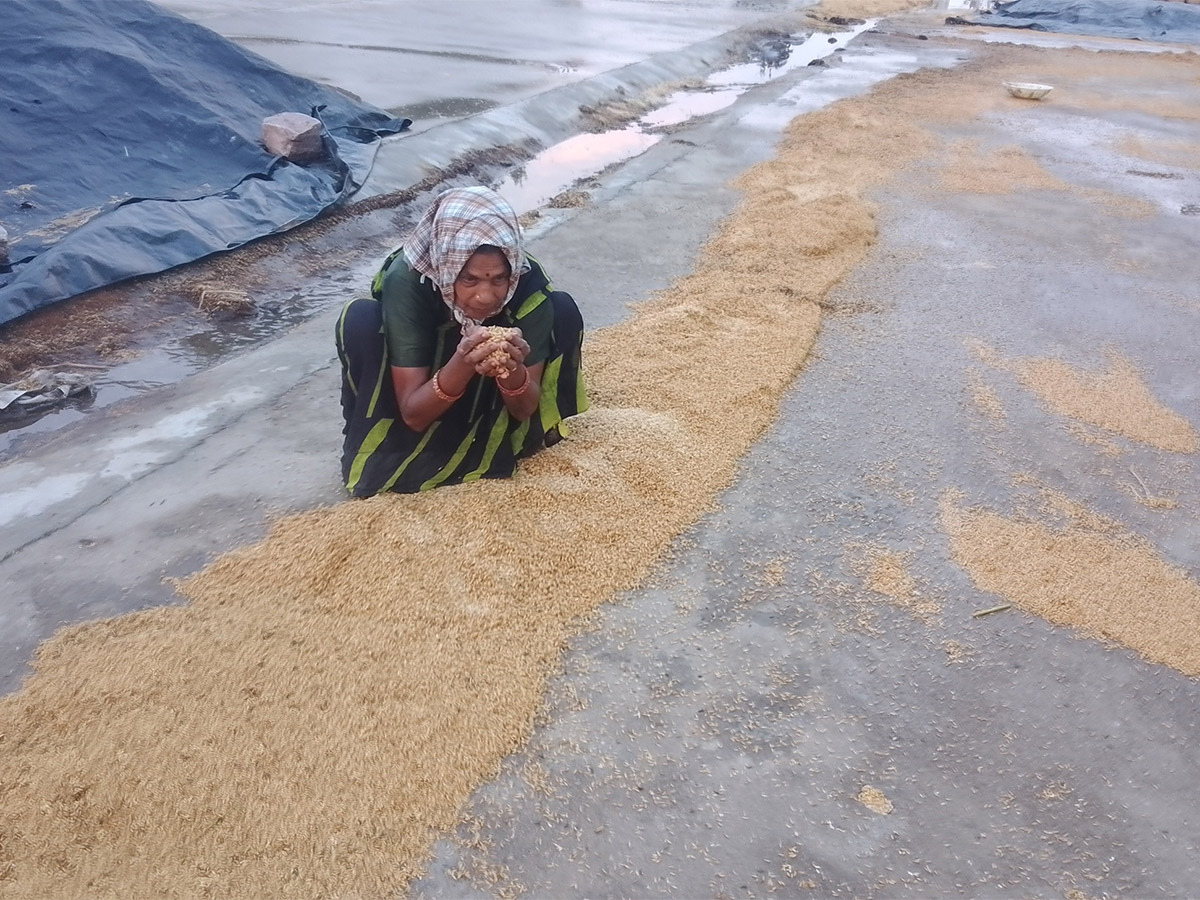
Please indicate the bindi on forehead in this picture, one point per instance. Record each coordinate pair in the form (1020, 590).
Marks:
(486, 265)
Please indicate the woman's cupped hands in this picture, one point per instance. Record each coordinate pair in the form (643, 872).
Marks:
(492, 351)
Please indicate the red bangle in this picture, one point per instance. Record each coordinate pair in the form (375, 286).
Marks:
(515, 392)
(442, 395)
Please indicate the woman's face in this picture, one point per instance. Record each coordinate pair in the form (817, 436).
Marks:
(482, 286)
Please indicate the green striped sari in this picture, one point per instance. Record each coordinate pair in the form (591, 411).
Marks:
(476, 437)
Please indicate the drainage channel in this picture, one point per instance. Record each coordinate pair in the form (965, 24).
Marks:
(528, 187)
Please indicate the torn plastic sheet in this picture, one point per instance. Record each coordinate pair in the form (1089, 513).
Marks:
(1138, 19)
(42, 388)
(129, 144)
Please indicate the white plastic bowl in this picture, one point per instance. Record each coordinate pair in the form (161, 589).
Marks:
(1027, 91)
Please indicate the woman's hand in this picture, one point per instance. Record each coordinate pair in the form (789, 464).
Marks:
(492, 358)
(516, 349)
(473, 337)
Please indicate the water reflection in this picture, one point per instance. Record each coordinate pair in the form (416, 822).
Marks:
(564, 164)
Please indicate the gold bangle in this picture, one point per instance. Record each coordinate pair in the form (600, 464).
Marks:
(442, 395)
(515, 392)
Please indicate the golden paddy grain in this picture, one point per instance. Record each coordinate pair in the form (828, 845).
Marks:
(328, 699)
(875, 800)
(1091, 574)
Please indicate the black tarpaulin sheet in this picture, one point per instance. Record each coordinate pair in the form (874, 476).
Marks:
(129, 143)
(1140, 19)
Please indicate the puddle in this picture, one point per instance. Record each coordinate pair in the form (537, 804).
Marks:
(38, 496)
(562, 166)
(549, 173)
(815, 46)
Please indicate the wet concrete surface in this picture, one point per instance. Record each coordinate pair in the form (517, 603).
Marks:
(113, 478)
(433, 60)
(710, 734)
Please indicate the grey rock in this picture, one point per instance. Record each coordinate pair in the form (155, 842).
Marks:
(3, 246)
(294, 136)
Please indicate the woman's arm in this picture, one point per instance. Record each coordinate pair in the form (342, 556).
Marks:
(423, 396)
(420, 404)
(521, 390)
(520, 385)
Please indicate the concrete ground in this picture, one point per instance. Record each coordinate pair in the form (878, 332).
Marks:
(62, 491)
(432, 60)
(709, 736)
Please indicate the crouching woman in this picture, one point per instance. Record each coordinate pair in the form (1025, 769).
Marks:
(464, 359)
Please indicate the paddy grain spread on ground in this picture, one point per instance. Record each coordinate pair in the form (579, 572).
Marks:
(330, 697)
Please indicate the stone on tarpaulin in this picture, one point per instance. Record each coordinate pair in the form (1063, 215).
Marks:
(3, 246)
(294, 136)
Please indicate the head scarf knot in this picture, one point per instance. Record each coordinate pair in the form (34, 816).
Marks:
(458, 223)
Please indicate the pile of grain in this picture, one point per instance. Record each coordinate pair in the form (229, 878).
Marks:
(1006, 170)
(497, 334)
(985, 397)
(1116, 399)
(875, 800)
(1185, 154)
(886, 573)
(328, 699)
(1089, 574)
(1002, 170)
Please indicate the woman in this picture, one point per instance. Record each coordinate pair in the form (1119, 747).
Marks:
(426, 397)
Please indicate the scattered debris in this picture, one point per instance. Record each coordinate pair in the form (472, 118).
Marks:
(569, 200)
(1145, 174)
(42, 388)
(957, 652)
(1147, 499)
(226, 301)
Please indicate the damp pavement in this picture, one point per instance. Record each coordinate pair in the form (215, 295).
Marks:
(434, 60)
(708, 737)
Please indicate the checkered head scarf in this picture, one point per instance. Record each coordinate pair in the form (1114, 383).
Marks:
(458, 223)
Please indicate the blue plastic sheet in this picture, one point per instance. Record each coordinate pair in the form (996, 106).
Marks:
(1138, 19)
(129, 143)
